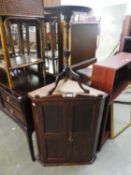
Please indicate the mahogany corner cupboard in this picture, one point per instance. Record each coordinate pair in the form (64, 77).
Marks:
(67, 127)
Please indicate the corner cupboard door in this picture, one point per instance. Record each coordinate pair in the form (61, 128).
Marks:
(51, 137)
(83, 130)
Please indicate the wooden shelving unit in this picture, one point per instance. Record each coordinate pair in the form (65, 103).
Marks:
(112, 76)
(21, 67)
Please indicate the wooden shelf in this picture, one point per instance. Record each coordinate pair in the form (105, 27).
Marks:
(120, 87)
(23, 82)
(21, 62)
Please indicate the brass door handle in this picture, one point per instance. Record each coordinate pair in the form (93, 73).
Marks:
(70, 137)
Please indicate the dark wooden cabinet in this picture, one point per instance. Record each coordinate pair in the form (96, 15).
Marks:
(13, 105)
(18, 108)
(67, 128)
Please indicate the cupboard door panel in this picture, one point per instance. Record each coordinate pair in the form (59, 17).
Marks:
(81, 147)
(54, 131)
(82, 119)
(85, 117)
(55, 149)
(53, 117)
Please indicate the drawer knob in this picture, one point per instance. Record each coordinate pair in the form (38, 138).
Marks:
(19, 98)
(33, 104)
(11, 111)
(8, 99)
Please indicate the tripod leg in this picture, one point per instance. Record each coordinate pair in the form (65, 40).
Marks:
(74, 75)
(58, 78)
(77, 77)
(80, 84)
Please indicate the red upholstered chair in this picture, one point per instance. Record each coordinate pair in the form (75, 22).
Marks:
(126, 31)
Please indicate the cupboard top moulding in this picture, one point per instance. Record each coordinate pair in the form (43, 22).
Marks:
(30, 8)
(65, 87)
(113, 74)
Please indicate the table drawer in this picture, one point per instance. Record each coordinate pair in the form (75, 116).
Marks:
(13, 101)
(14, 112)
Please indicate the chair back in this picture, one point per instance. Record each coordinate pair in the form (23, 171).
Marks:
(126, 31)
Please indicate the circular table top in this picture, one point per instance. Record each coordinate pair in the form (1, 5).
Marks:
(68, 9)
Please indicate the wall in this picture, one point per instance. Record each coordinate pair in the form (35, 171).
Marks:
(111, 28)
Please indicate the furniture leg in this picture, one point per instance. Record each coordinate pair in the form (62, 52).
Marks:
(30, 144)
(60, 76)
